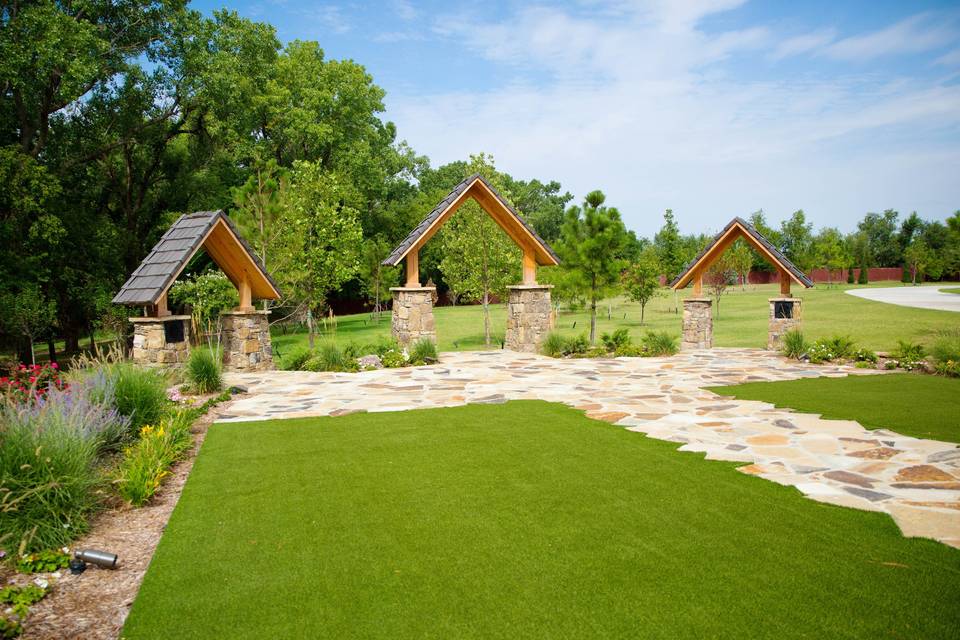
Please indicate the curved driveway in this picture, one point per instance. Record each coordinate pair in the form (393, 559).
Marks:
(907, 296)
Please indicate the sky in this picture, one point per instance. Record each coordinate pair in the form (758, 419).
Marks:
(713, 108)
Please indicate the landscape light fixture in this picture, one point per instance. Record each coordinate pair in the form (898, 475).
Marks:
(102, 559)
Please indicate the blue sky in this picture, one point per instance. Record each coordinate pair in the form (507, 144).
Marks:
(713, 108)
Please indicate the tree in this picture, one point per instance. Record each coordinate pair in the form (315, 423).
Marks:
(796, 240)
(741, 260)
(28, 314)
(376, 279)
(830, 252)
(641, 280)
(918, 257)
(719, 276)
(592, 239)
(259, 206)
(669, 247)
(883, 245)
(321, 240)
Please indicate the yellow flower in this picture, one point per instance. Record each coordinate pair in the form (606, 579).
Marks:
(146, 430)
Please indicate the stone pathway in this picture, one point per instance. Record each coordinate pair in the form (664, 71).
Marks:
(929, 297)
(916, 481)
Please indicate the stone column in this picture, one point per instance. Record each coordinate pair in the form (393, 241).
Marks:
(529, 316)
(784, 316)
(245, 338)
(413, 314)
(697, 324)
(161, 341)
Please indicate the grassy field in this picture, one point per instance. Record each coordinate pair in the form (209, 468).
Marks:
(915, 405)
(523, 520)
(742, 322)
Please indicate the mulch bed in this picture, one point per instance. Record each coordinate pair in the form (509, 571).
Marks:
(94, 604)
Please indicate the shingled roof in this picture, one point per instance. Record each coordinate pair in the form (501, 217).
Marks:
(426, 228)
(748, 231)
(151, 280)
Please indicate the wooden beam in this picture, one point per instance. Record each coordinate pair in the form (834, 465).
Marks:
(162, 309)
(413, 269)
(698, 284)
(529, 267)
(246, 298)
(784, 283)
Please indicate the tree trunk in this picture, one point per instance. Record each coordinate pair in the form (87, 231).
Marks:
(71, 339)
(593, 321)
(642, 307)
(486, 318)
(33, 356)
(310, 328)
(52, 349)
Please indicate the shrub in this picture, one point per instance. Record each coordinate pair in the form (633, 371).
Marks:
(393, 359)
(660, 343)
(380, 346)
(628, 351)
(553, 345)
(29, 382)
(615, 340)
(909, 355)
(204, 371)
(330, 358)
(850, 278)
(794, 344)
(865, 356)
(577, 345)
(841, 346)
(946, 354)
(423, 351)
(147, 462)
(140, 393)
(296, 358)
(863, 278)
(596, 352)
(48, 475)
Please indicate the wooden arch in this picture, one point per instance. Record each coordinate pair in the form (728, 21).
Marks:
(740, 228)
(213, 231)
(535, 250)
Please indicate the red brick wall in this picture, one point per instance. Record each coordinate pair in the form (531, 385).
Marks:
(874, 274)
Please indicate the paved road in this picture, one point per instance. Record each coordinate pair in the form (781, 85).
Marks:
(907, 296)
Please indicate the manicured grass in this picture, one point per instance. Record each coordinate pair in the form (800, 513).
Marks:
(951, 290)
(827, 311)
(912, 404)
(524, 520)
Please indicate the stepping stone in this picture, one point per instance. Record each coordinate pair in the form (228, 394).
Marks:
(923, 473)
(880, 453)
(850, 478)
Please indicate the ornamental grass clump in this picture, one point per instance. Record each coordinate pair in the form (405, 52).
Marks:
(660, 343)
(48, 476)
(423, 351)
(945, 353)
(146, 463)
(204, 371)
(794, 344)
(552, 345)
(139, 393)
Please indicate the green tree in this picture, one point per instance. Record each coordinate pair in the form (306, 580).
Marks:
(592, 240)
(720, 275)
(669, 247)
(376, 279)
(28, 314)
(918, 258)
(321, 240)
(259, 208)
(641, 280)
(796, 240)
(882, 240)
(741, 260)
(830, 252)
(479, 258)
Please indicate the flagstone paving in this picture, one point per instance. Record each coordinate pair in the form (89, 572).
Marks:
(916, 481)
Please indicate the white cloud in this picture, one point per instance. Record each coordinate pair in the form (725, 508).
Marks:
(643, 105)
(805, 43)
(404, 9)
(916, 34)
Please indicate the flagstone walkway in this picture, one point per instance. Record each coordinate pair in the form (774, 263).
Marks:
(916, 481)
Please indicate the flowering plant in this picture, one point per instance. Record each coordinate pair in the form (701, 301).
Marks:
(31, 382)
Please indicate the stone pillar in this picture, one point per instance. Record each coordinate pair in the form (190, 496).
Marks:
(529, 316)
(245, 338)
(697, 324)
(784, 316)
(413, 314)
(163, 341)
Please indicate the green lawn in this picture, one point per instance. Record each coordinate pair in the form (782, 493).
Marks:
(523, 520)
(827, 311)
(951, 290)
(915, 405)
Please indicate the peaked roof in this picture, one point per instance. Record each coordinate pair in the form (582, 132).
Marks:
(738, 227)
(180, 243)
(480, 188)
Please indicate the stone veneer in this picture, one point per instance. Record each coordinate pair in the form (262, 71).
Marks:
(245, 337)
(697, 324)
(150, 346)
(779, 326)
(413, 314)
(529, 316)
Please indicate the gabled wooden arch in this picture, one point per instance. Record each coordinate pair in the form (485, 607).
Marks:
(213, 231)
(535, 250)
(740, 228)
